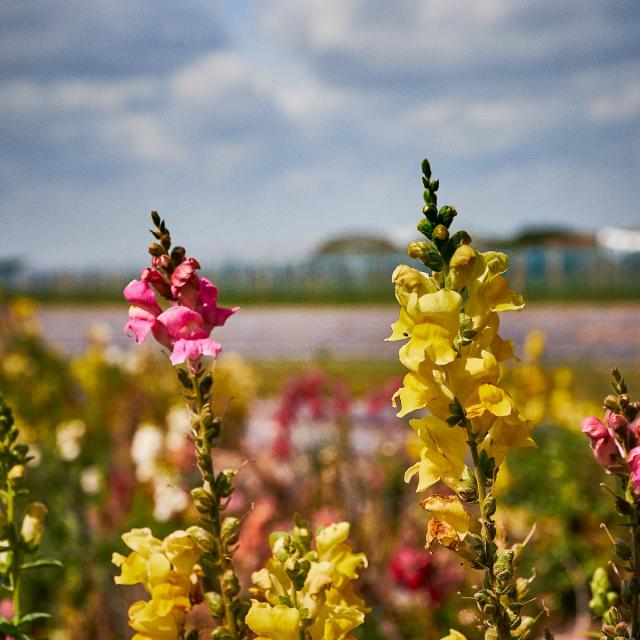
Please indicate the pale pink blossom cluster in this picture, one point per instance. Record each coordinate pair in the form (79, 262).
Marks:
(616, 442)
(185, 326)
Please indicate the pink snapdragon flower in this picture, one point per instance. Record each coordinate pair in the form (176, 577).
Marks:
(183, 330)
(184, 327)
(143, 311)
(603, 444)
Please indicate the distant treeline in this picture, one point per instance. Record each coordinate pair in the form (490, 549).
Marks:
(542, 273)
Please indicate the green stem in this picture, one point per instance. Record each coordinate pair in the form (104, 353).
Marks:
(16, 559)
(499, 616)
(205, 466)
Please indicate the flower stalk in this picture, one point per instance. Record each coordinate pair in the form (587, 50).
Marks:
(449, 321)
(616, 446)
(20, 536)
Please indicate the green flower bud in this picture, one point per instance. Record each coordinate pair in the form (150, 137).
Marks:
(426, 168)
(503, 566)
(221, 633)
(417, 249)
(425, 228)
(611, 402)
(230, 584)
(16, 473)
(224, 483)
(446, 215)
(441, 232)
(230, 531)
(215, 603)
(202, 500)
(431, 212)
(156, 250)
(33, 524)
(623, 550)
(489, 506)
(623, 507)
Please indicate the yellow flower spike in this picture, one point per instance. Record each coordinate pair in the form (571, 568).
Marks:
(277, 622)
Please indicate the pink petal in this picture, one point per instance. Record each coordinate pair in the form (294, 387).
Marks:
(141, 322)
(213, 315)
(140, 293)
(192, 350)
(594, 428)
(182, 322)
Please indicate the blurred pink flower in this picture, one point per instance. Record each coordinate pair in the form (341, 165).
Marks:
(603, 444)
(410, 568)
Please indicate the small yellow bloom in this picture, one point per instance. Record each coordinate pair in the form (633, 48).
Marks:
(277, 622)
(33, 524)
(443, 456)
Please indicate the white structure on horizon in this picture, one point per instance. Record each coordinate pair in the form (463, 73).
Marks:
(619, 240)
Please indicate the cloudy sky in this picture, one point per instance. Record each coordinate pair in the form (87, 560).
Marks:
(260, 127)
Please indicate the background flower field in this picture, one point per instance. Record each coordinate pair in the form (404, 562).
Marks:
(315, 436)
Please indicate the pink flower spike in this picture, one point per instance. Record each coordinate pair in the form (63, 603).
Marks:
(633, 462)
(192, 350)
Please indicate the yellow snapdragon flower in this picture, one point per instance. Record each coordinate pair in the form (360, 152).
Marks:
(307, 589)
(168, 570)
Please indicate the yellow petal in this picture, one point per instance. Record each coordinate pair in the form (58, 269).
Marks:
(273, 623)
(495, 399)
(448, 509)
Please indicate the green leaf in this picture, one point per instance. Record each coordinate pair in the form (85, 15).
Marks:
(35, 616)
(41, 563)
